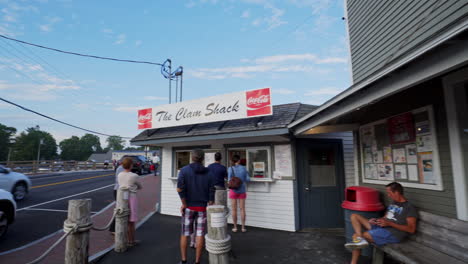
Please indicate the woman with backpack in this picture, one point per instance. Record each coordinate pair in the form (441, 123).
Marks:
(237, 176)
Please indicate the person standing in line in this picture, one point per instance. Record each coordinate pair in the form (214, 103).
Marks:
(156, 160)
(238, 195)
(116, 187)
(129, 180)
(195, 185)
(219, 172)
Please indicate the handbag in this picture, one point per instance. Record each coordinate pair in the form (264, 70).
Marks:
(235, 182)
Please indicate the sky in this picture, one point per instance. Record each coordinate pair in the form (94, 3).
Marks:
(297, 48)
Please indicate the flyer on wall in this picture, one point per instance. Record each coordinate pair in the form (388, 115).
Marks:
(387, 154)
(411, 154)
(378, 156)
(400, 172)
(426, 167)
(399, 155)
(424, 143)
(370, 171)
(367, 135)
(385, 172)
(368, 155)
(413, 173)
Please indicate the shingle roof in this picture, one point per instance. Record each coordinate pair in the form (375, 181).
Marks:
(282, 116)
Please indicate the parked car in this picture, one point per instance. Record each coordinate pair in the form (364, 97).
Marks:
(7, 211)
(141, 165)
(16, 183)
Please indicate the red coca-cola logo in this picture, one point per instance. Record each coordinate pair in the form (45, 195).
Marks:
(145, 118)
(259, 102)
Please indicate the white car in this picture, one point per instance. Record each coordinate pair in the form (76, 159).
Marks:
(7, 211)
(16, 183)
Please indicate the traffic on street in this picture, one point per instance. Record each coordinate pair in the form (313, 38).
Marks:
(44, 209)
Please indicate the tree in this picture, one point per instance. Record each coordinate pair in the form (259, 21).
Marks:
(89, 145)
(6, 136)
(27, 145)
(115, 143)
(70, 148)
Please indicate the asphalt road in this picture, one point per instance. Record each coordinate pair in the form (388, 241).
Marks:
(45, 208)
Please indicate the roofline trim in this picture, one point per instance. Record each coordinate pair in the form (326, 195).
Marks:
(385, 71)
(260, 133)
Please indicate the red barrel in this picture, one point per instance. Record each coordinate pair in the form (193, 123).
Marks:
(364, 199)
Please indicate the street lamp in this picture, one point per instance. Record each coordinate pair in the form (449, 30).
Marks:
(12, 142)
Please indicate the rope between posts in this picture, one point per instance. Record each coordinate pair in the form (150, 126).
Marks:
(218, 247)
(68, 228)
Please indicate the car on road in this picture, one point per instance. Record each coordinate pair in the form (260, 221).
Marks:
(16, 183)
(141, 165)
(7, 211)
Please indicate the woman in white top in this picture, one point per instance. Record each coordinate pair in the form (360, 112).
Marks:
(129, 180)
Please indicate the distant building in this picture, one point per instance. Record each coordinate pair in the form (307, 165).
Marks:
(101, 157)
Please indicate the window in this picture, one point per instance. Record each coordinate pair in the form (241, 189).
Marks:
(256, 160)
(184, 158)
(401, 148)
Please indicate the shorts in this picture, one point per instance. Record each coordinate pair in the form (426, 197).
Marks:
(188, 218)
(382, 236)
(234, 195)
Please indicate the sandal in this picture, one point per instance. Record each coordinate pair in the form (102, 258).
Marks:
(234, 230)
(244, 230)
(134, 243)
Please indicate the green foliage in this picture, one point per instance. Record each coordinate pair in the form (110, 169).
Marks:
(27, 145)
(6, 135)
(76, 148)
(115, 143)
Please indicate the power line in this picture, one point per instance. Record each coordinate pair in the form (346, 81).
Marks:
(79, 54)
(56, 120)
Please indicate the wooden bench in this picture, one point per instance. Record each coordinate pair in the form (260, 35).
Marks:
(438, 239)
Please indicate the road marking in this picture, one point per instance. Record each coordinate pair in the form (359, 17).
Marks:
(59, 199)
(50, 210)
(81, 179)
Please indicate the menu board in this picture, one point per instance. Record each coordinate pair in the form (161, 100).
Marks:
(399, 148)
(283, 162)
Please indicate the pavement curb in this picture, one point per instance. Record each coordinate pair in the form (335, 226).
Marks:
(96, 257)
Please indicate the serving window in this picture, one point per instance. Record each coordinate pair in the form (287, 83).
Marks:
(401, 148)
(184, 157)
(257, 161)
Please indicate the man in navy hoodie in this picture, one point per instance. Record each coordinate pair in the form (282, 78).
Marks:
(195, 186)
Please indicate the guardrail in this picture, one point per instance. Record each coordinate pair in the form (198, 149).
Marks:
(45, 166)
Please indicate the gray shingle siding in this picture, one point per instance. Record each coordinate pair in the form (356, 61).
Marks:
(383, 32)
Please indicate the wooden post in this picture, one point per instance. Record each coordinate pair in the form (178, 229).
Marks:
(217, 230)
(76, 251)
(121, 223)
(221, 197)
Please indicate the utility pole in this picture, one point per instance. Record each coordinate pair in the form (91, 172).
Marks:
(41, 141)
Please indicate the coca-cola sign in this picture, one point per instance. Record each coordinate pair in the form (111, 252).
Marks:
(259, 102)
(211, 109)
(145, 117)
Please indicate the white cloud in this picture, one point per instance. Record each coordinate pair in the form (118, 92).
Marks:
(138, 43)
(283, 91)
(324, 91)
(246, 14)
(155, 98)
(317, 6)
(120, 39)
(107, 30)
(45, 28)
(9, 18)
(299, 57)
(274, 20)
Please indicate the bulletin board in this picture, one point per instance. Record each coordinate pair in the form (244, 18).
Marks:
(401, 148)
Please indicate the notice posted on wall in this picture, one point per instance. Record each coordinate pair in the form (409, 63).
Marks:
(283, 161)
(387, 154)
(385, 172)
(413, 173)
(411, 154)
(400, 172)
(209, 158)
(426, 168)
(218, 220)
(371, 171)
(399, 155)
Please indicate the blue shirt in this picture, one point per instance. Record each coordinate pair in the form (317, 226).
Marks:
(219, 172)
(242, 173)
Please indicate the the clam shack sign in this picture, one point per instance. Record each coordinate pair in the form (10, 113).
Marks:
(211, 109)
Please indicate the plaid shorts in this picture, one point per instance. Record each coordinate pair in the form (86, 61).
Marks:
(189, 218)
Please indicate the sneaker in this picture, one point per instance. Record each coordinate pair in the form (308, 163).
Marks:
(357, 243)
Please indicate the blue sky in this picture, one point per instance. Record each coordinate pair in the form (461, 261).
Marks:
(298, 48)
